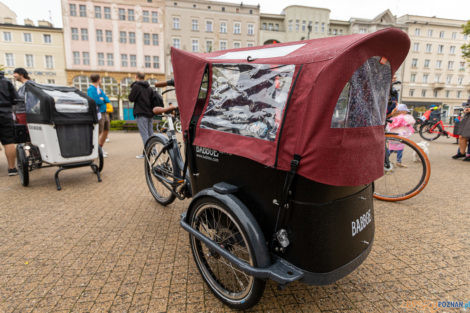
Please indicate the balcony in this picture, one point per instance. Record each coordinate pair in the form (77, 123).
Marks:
(438, 86)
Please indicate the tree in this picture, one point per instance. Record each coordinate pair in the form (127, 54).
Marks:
(2, 68)
(466, 47)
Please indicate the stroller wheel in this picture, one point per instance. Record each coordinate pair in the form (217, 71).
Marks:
(235, 288)
(23, 165)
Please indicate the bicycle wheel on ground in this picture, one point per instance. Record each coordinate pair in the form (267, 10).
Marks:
(408, 171)
(178, 126)
(232, 286)
(427, 134)
(100, 159)
(22, 164)
(159, 170)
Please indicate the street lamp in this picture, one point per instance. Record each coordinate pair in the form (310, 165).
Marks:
(309, 27)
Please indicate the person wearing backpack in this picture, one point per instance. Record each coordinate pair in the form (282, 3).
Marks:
(145, 100)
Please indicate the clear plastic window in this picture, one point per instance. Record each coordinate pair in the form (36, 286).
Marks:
(248, 99)
(32, 103)
(363, 101)
(68, 102)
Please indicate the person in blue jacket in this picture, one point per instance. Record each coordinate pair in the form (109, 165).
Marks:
(96, 93)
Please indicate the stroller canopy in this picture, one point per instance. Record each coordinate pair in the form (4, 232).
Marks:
(50, 104)
(322, 101)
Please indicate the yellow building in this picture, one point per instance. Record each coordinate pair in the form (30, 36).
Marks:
(37, 48)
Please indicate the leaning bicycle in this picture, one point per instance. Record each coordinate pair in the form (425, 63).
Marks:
(406, 170)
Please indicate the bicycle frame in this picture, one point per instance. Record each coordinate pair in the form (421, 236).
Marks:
(441, 129)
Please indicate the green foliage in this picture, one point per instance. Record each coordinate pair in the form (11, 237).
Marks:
(2, 67)
(117, 124)
(466, 47)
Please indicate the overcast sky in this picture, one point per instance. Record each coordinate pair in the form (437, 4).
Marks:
(340, 9)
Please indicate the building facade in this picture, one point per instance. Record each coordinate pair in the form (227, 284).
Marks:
(38, 48)
(115, 39)
(435, 71)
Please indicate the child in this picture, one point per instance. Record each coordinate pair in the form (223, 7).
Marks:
(402, 124)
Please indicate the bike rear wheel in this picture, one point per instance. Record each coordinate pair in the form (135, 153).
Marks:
(427, 134)
(160, 170)
(405, 179)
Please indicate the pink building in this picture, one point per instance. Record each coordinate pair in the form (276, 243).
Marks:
(115, 39)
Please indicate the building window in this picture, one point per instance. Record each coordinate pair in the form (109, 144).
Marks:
(441, 34)
(133, 60)
(223, 27)
(100, 58)
(9, 59)
(110, 59)
(452, 49)
(460, 80)
(99, 35)
(322, 27)
(122, 37)
(109, 36)
(297, 25)
(428, 47)
(223, 45)
(362, 30)
(436, 93)
(146, 39)
(304, 26)
(450, 65)
(74, 33)
(73, 10)
(110, 85)
(81, 83)
(145, 16)
(47, 38)
(414, 63)
(416, 47)
(176, 23)
(49, 61)
(76, 57)
(447, 93)
(289, 26)
(194, 25)
(86, 58)
(107, 13)
(156, 62)
(130, 15)
(425, 78)
(209, 26)
(449, 79)
(148, 61)
(176, 43)
(237, 28)
(426, 63)
(237, 45)
(82, 10)
(84, 33)
(440, 49)
(462, 66)
(423, 93)
(459, 93)
(27, 37)
(51, 81)
(122, 14)
(316, 27)
(437, 78)
(429, 32)
(155, 39)
(97, 11)
(154, 17)
(411, 92)
(124, 62)
(438, 63)
(454, 35)
(413, 78)
(6, 36)
(251, 29)
(417, 31)
(209, 46)
(132, 37)
(250, 44)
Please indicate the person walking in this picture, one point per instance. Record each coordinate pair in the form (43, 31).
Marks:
(97, 93)
(22, 76)
(8, 97)
(464, 134)
(145, 101)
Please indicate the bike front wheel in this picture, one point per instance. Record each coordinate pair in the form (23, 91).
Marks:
(427, 133)
(405, 177)
(160, 170)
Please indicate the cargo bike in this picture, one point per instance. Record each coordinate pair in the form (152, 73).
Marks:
(282, 144)
(61, 130)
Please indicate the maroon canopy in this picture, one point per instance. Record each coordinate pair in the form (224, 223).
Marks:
(323, 100)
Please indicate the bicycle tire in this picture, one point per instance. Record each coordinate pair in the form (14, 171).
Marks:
(423, 180)
(168, 166)
(424, 129)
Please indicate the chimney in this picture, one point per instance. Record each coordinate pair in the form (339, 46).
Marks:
(28, 22)
(44, 23)
(8, 20)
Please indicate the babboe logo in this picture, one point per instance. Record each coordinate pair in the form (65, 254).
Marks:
(359, 224)
(207, 153)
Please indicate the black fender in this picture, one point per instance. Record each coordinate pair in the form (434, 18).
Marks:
(255, 235)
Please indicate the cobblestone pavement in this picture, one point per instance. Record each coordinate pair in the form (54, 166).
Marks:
(94, 247)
